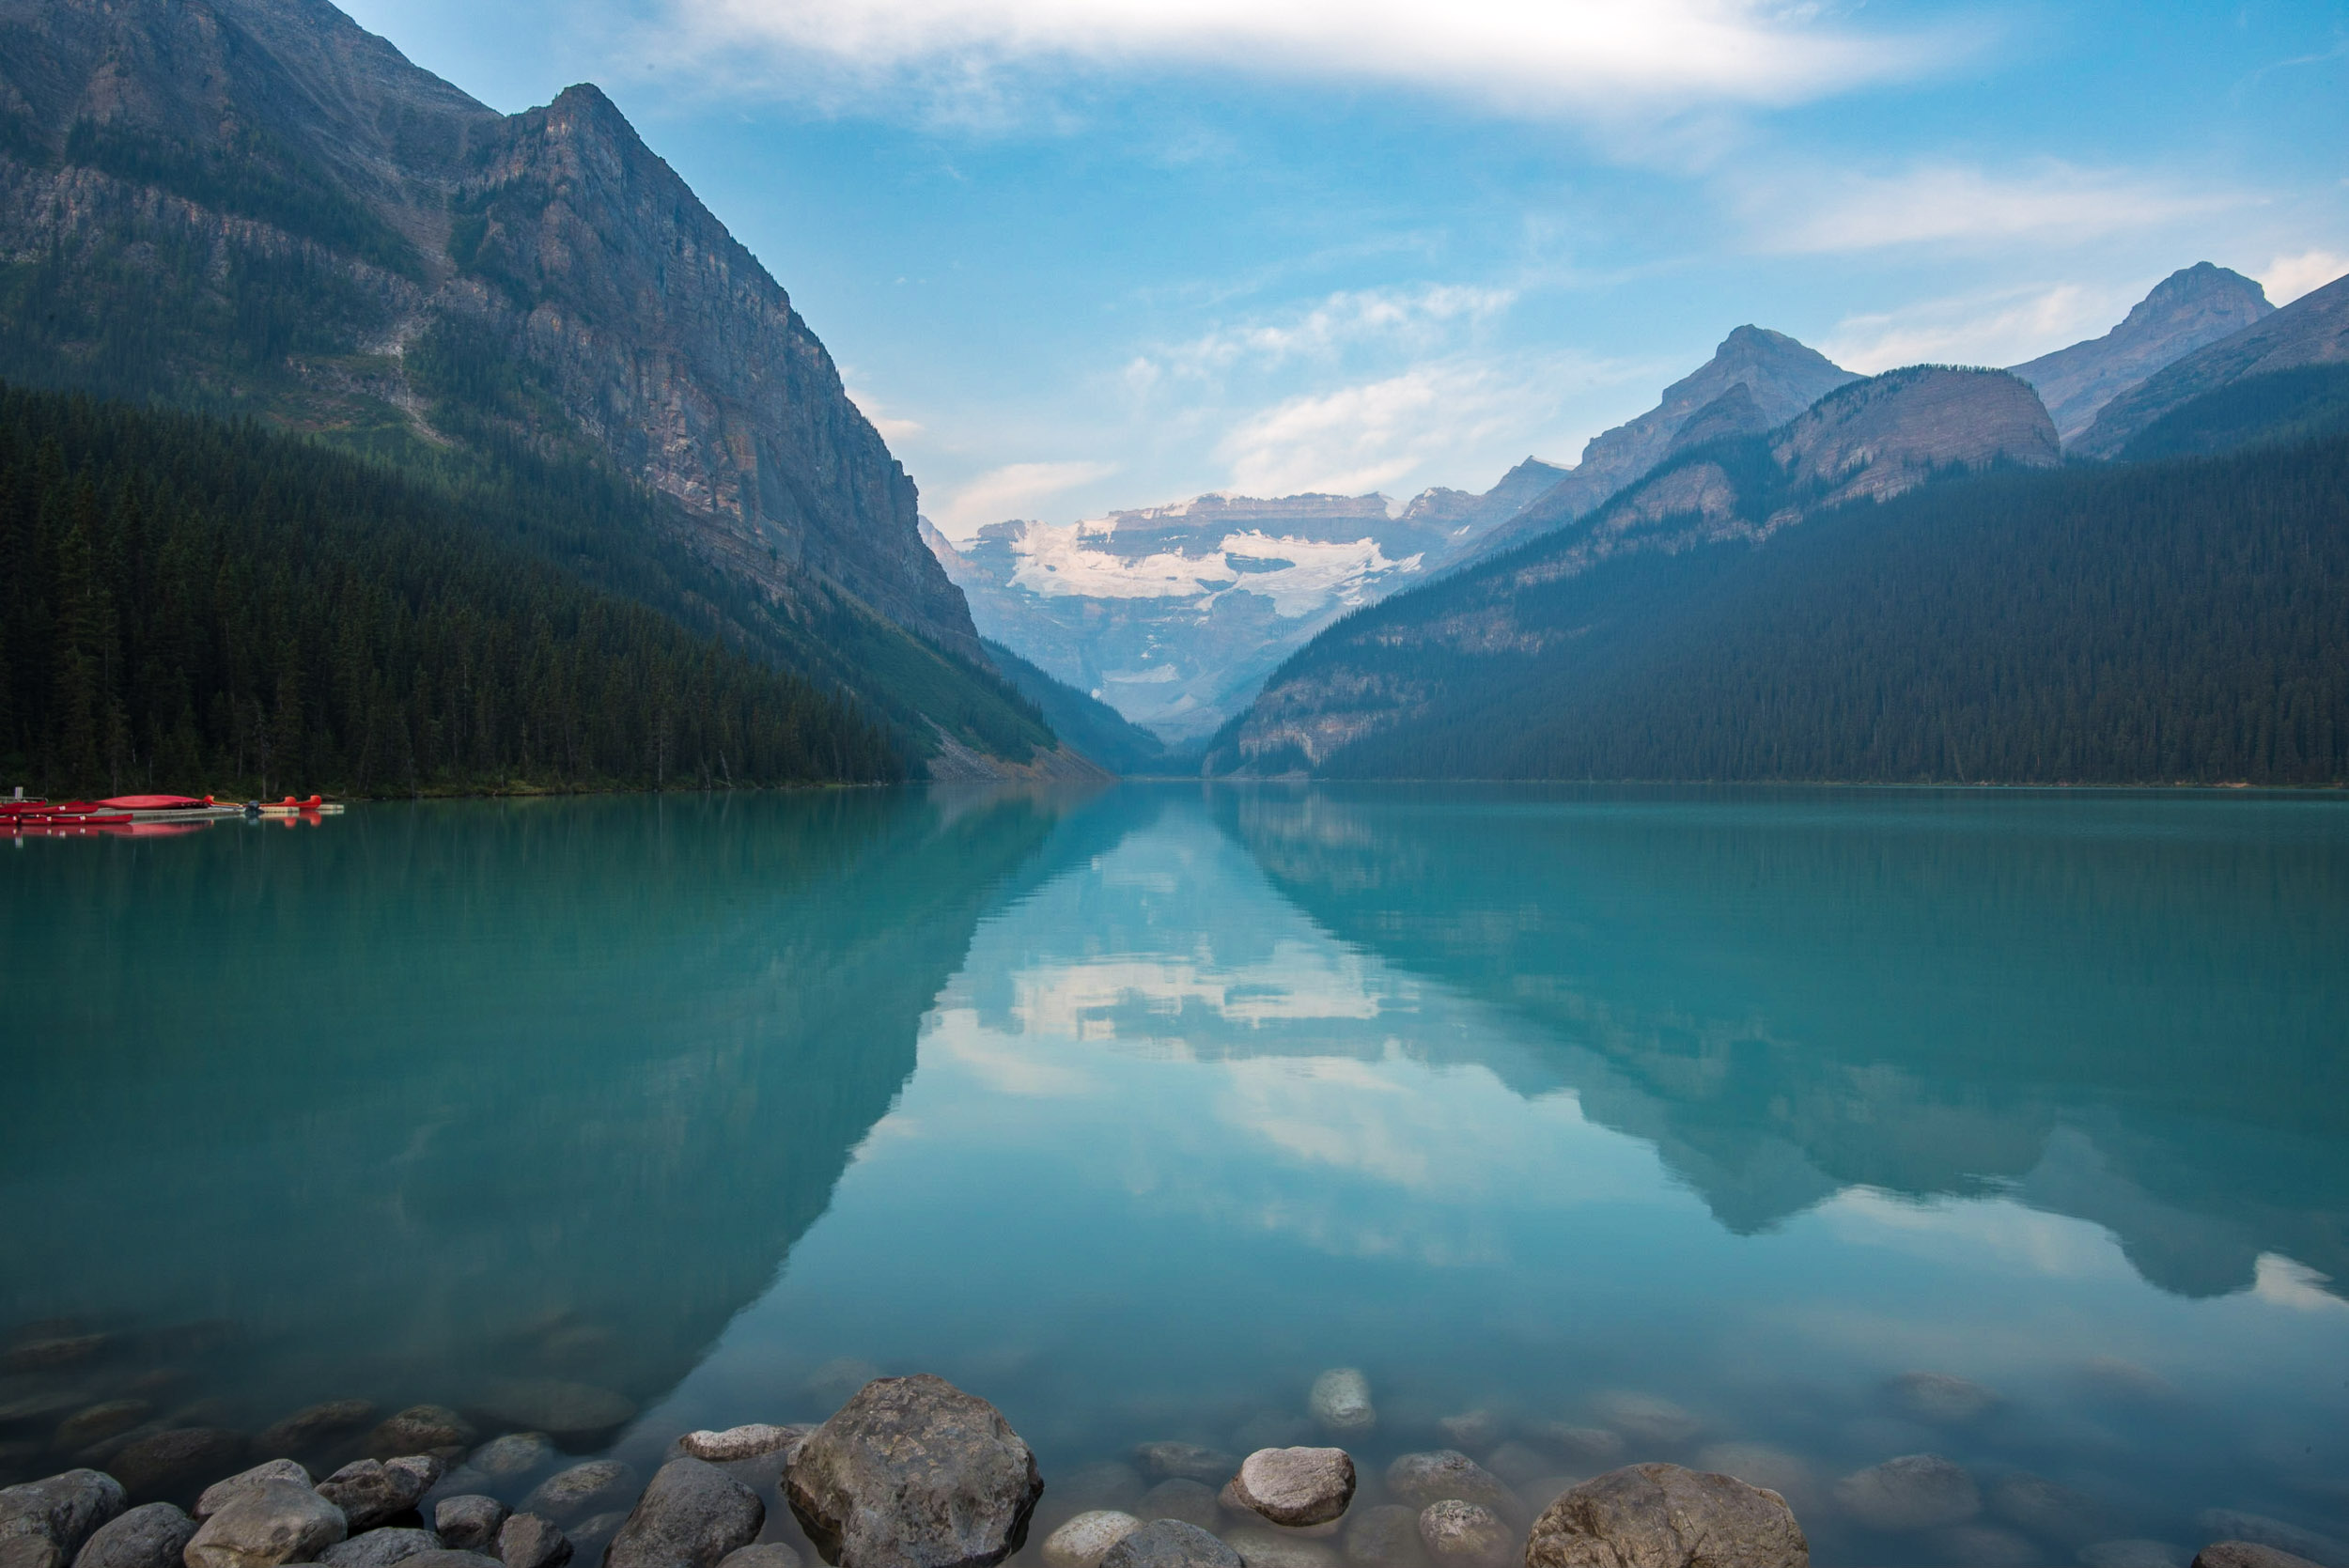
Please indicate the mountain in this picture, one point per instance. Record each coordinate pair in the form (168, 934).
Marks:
(1090, 727)
(1415, 662)
(256, 206)
(2189, 308)
(2313, 330)
(1173, 615)
(1782, 377)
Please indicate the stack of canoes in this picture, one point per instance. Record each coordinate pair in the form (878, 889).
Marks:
(140, 814)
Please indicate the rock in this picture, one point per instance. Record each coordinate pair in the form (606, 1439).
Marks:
(2046, 1509)
(308, 1430)
(531, 1541)
(469, 1522)
(1186, 1462)
(1580, 1445)
(1386, 1536)
(1465, 1534)
(1261, 1548)
(506, 1459)
(692, 1514)
(263, 1526)
(217, 1495)
(371, 1492)
(767, 1554)
(1191, 1501)
(171, 1463)
(44, 1523)
(913, 1472)
(1297, 1486)
(588, 1536)
(97, 1422)
(740, 1442)
(1171, 1544)
(446, 1559)
(40, 1407)
(1340, 1400)
(1472, 1429)
(1519, 1467)
(152, 1536)
(54, 1351)
(2131, 1554)
(1647, 1421)
(2244, 1554)
(380, 1549)
(1104, 1484)
(573, 1414)
(2227, 1524)
(1083, 1540)
(1447, 1475)
(1916, 1491)
(1663, 1517)
(420, 1428)
(1938, 1398)
(593, 1488)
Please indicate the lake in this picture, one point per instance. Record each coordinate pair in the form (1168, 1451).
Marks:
(1782, 1132)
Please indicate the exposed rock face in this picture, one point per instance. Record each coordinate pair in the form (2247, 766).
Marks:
(1873, 440)
(2189, 308)
(1171, 1544)
(370, 1492)
(1663, 1517)
(152, 1536)
(692, 1515)
(264, 1525)
(469, 1522)
(2312, 330)
(914, 1471)
(220, 1493)
(44, 1523)
(1296, 1485)
(531, 1541)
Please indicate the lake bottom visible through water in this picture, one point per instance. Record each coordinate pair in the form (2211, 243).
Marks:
(1972, 1168)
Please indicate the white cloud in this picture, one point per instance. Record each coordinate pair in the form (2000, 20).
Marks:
(1528, 57)
(1951, 204)
(1409, 317)
(891, 428)
(2288, 277)
(1015, 490)
(1363, 437)
(2285, 1282)
(2004, 326)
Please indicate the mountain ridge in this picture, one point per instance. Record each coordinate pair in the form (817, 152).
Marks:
(2191, 307)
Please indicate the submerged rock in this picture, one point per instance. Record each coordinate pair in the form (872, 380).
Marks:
(219, 1494)
(516, 1453)
(447, 1559)
(2227, 1523)
(692, 1514)
(1297, 1485)
(1647, 1421)
(597, 1486)
(44, 1523)
(1260, 1546)
(372, 1492)
(51, 1352)
(1465, 1535)
(310, 1429)
(1105, 1484)
(152, 1536)
(380, 1549)
(1171, 1544)
(1987, 1547)
(169, 1463)
(1519, 1466)
(766, 1554)
(1759, 1465)
(95, 1423)
(1578, 1445)
(264, 1525)
(1186, 1462)
(531, 1541)
(433, 1429)
(2132, 1554)
(1663, 1517)
(1473, 1429)
(1083, 1540)
(1386, 1536)
(1191, 1501)
(469, 1522)
(2247, 1554)
(1939, 1398)
(1916, 1491)
(573, 1414)
(1340, 1400)
(2044, 1508)
(740, 1442)
(1446, 1474)
(914, 1472)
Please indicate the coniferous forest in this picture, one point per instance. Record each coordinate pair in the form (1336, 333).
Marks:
(203, 606)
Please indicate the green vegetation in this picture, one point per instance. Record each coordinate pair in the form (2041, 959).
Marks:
(194, 605)
(2282, 407)
(1085, 721)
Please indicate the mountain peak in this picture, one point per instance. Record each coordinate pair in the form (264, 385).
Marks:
(2188, 286)
(2190, 308)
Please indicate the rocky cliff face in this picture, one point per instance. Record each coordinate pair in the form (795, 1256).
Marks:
(2189, 308)
(2312, 330)
(257, 203)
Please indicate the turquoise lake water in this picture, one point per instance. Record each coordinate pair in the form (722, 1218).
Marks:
(1700, 1117)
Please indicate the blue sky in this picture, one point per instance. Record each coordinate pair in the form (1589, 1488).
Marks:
(1077, 254)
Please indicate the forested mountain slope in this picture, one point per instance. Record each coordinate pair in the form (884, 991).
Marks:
(2312, 330)
(2190, 308)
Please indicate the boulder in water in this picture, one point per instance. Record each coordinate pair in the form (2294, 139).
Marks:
(1939, 1398)
(597, 1486)
(380, 1549)
(1916, 1491)
(2247, 1554)
(264, 1525)
(1663, 1517)
(152, 1536)
(218, 1495)
(468, 1522)
(1083, 1540)
(1461, 1534)
(574, 1415)
(741, 1442)
(1421, 1479)
(914, 1473)
(312, 1428)
(433, 1429)
(1260, 1546)
(1296, 1485)
(1340, 1400)
(1191, 1501)
(766, 1554)
(44, 1523)
(170, 1465)
(531, 1541)
(692, 1515)
(1386, 1536)
(1186, 1462)
(1171, 1544)
(373, 1492)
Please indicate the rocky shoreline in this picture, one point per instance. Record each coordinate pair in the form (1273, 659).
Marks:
(912, 1472)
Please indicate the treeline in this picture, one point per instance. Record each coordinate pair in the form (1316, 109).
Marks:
(2179, 622)
(192, 605)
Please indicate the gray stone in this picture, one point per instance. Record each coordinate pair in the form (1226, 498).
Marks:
(914, 1473)
(1262, 1547)
(1916, 1491)
(573, 1414)
(567, 1496)
(692, 1514)
(1938, 1398)
(308, 1430)
(1578, 1445)
(380, 1549)
(217, 1495)
(170, 1465)
(152, 1536)
(433, 1429)
(261, 1527)
(95, 1423)
(1446, 1474)
(1386, 1536)
(766, 1554)
(1663, 1517)
(2247, 1554)
(741, 1442)
(1171, 1544)
(1297, 1486)
(1465, 1535)
(2046, 1509)
(1191, 1501)
(44, 1523)
(589, 1535)
(517, 1453)
(1340, 1400)
(1647, 1421)
(468, 1523)
(2132, 1554)
(446, 1559)
(1186, 1462)
(1083, 1540)
(2227, 1523)
(373, 1492)
(531, 1541)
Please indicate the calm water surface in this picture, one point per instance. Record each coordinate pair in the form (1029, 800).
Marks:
(1698, 1117)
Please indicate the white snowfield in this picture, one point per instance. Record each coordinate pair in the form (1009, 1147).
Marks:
(1067, 561)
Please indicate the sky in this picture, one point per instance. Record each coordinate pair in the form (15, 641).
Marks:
(1075, 255)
